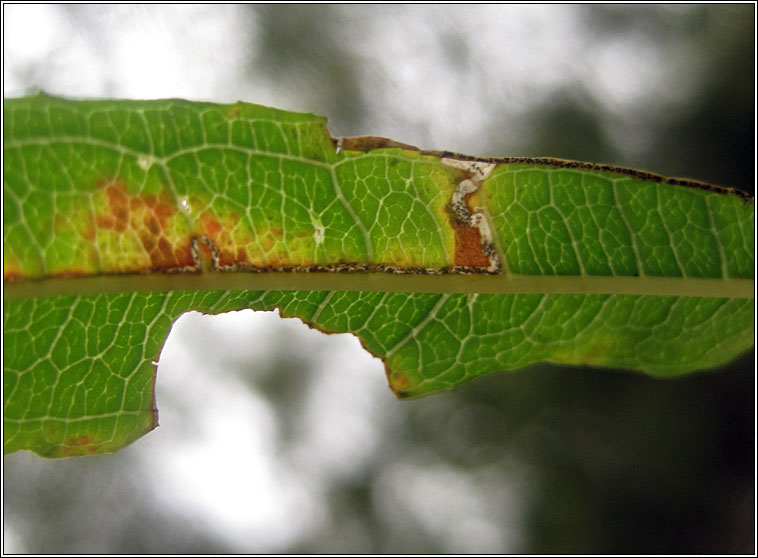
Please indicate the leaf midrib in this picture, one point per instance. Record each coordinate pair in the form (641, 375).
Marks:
(385, 282)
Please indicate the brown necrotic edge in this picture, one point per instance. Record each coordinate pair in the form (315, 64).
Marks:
(206, 258)
(371, 143)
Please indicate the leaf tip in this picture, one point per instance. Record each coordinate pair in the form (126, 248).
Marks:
(400, 384)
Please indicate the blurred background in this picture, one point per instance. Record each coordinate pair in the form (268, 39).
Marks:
(276, 438)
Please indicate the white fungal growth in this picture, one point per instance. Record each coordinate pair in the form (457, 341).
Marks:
(144, 161)
(318, 233)
(463, 189)
(479, 170)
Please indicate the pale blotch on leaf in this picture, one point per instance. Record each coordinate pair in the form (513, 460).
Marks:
(184, 206)
(318, 233)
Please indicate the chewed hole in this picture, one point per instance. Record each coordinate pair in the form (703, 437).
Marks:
(241, 393)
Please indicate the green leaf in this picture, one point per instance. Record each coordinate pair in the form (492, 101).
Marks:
(121, 215)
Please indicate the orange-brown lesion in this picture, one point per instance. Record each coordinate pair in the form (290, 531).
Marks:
(468, 240)
(234, 242)
(400, 383)
(80, 445)
(11, 273)
(468, 247)
(222, 234)
(269, 239)
(151, 220)
(596, 354)
(117, 217)
(210, 226)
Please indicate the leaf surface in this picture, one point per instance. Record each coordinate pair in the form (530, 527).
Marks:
(121, 215)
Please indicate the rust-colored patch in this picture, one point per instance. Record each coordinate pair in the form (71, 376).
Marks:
(399, 382)
(83, 445)
(267, 242)
(149, 217)
(89, 230)
(11, 275)
(596, 354)
(468, 247)
(118, 206)
(152, 224)
(220, 234)
(164, 256)
(268, 238)
(183, 254)
(211, 227)
(468, 242)
(226, 258)
(148, 241)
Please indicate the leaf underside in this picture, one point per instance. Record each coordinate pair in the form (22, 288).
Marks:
(119, 216)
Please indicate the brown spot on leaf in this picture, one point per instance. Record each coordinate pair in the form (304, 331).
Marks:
(399, 382)
(596, 354)
(276, 232)
(163, 208)
(183, 254)
(118, 206)
(211, 226)
(164, 256)
(148, 216)
(11, 275)
(82, 445)
(148, 241)
(220, 234)
(89, 230)
(152, 224)
(227, 258)
(468, 247)
(468, 241)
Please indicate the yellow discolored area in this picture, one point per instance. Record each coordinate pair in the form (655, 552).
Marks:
(270, 239)
(135, 232)
(11, 270)
(598, 353)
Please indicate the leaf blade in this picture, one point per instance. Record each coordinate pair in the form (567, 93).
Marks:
(526, 260)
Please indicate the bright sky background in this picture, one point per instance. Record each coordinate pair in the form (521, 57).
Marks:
(218, 456)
